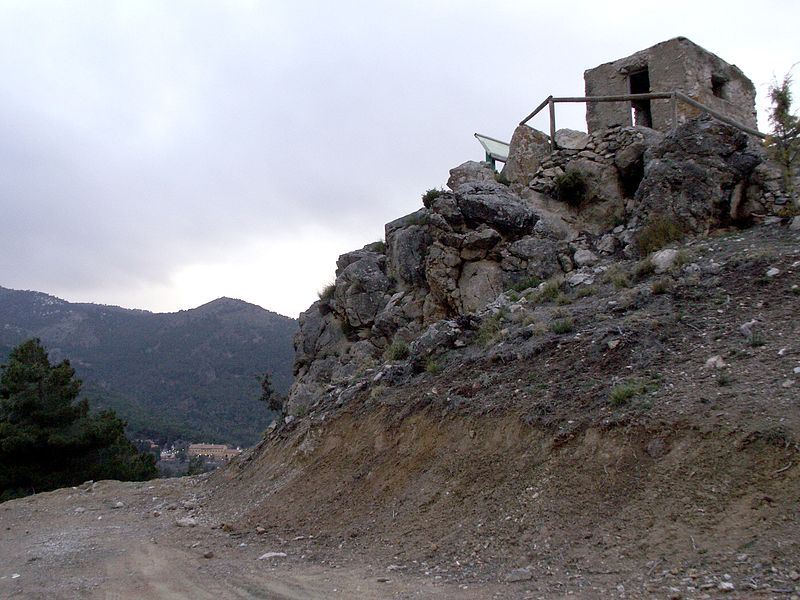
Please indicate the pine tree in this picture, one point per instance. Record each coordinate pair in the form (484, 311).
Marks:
(784, 141)
(48, 438)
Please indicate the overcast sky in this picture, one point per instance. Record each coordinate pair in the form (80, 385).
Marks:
(160, 154)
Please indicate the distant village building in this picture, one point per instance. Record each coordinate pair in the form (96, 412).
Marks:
(215, 451)
(675, 65)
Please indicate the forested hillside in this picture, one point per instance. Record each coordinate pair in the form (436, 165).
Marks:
(192, 374)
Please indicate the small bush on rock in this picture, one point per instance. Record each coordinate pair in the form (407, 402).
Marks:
(524, 284)
(618, 276)
(489, 330)
(662, 286)
(326, 293)
(549, 291)
(643, 268)
(657, 234)
(562, 326)
(397, 351)
(431, 195)
(571, 188)
(624, 392)
(433, 367)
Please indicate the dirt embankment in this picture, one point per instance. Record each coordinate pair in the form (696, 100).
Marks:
(531, 454)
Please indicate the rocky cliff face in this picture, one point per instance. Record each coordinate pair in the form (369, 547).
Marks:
(455, 263)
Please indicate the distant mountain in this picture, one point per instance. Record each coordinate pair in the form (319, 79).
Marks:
(193, 374)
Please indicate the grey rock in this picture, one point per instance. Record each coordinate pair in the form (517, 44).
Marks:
(418, 217)
(361, 287)
(319, 335)
(516, 575)
(268, 555)
(608, 244)
(477, 242)
(691, 175)
(186, 522)
(498, 208)
(584, 258)
(405, 250)
(582, 277)
(441, 271)
(471, 172)
(569, 139)
(664, 260)
(528, 148)
(479, 284)
(794, 225)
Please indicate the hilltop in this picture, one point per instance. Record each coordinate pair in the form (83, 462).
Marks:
(192, 374)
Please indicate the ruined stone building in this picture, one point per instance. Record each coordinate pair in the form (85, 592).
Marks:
(676, 64)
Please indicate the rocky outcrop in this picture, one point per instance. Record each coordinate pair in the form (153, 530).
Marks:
(698, 176)
(454, 262)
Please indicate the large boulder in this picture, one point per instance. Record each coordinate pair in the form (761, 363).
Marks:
(570, 139)
(405, 252)
(362, 287)
(496, 206)
(319, 335)
(529, 148)
(480, 283)
(538, 255)
(695, 174)
(441, 271)
(471, 172)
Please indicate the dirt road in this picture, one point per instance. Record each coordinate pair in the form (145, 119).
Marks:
(121, 541)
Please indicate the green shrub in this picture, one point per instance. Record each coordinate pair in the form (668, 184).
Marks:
(757, 339)
(585, 292)
(618, 276)
(431, 195)
(561, 326)
(623, 392)
(571, 188)
(326, 293)
(433, 367)
(524, 284)
(662, 286)
(489, 329)
(378, 246)
(550, 290)
(397, 351)
(643, 268)
(681, 258)
(659, 232)
(562, 299)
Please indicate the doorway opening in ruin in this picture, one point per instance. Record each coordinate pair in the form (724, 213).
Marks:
(639, 83)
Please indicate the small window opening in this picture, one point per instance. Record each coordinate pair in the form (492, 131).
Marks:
(719, 86)
(639, 83)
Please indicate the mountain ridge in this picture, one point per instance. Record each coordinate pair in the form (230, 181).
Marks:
(191, 373)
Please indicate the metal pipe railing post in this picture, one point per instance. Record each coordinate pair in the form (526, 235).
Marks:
(552, 106)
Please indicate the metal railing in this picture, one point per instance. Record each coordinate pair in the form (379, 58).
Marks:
(675, 96)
